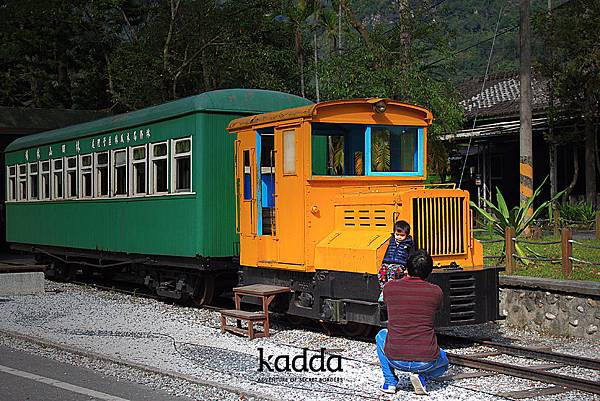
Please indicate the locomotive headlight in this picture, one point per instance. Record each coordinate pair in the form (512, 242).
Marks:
(379, 107)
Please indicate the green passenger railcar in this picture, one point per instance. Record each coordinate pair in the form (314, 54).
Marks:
(155, 184)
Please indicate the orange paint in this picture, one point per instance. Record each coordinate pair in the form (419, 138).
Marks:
(341, 222)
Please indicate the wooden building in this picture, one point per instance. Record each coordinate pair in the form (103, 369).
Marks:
(485, 153)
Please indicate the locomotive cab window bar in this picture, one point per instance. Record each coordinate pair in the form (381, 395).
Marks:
(303, 195)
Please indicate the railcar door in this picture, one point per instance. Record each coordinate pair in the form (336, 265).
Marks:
(289, 196)
(246, 193)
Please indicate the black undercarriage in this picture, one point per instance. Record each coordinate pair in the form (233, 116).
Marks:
(470, 296)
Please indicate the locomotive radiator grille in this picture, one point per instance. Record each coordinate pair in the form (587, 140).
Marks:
(439, 225)
(462, 299)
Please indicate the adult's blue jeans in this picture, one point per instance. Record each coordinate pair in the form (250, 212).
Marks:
(428, 370)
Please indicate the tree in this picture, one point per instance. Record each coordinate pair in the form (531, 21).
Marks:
(571, 32)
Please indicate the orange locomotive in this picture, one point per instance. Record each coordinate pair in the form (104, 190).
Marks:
(319, 188)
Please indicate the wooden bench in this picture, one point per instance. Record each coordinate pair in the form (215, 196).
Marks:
(250, 317)
(267, 294)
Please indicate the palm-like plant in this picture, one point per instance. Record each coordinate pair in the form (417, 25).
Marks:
(518, 217)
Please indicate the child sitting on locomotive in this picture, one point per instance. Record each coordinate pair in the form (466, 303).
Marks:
(396, 255)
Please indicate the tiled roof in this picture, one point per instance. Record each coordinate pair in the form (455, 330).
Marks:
(500, 97)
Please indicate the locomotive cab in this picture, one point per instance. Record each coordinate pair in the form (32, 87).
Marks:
(318, 190)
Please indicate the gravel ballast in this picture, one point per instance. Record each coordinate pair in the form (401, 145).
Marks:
(186, 342)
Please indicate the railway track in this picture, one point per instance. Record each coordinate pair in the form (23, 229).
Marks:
(541, 372)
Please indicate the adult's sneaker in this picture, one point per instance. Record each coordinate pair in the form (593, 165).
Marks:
(418, 383)
(388, 388)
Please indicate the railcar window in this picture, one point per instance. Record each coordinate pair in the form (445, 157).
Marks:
(71, 177)
(34, 182)
(393, 149)
(357, 149)
(183, 164)
(120, 172)
(22, 182)
(289, 152)
(86, 176)
(57, 180)
(247, 179)
(139, 170)
(159, 168)
(46, 179)
(12, 183)
(102, 174)
(338, 149)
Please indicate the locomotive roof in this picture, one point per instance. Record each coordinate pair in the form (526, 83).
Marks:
(239, 101)
(312, 110)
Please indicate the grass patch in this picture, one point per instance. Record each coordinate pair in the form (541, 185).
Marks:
(547, 269)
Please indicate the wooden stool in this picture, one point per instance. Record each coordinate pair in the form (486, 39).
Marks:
(267, 294)
(250, 317)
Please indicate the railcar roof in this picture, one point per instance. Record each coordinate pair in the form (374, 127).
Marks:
(312, 110)
(243, 101)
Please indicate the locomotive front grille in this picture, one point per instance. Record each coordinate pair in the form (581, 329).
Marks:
(438, 225)
(462, 298)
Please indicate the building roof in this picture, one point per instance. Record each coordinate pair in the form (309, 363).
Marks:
(500, 97)
(237, 101)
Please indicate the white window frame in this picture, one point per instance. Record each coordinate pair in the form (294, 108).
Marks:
(152, 159)
(83, 169)
(96, 181)
(29, 180)
(9, 190)
(133, 176)
(174, 157)
(50, 178)
(20, 178)
(53, 172)
(113, 160)
(67, 184)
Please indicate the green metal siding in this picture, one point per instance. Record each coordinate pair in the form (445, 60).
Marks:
(217, 197)
(201, 223)
(161, 225)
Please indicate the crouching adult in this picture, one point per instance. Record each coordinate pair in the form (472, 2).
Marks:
(409, 343)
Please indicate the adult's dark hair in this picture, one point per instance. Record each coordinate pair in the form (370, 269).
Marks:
(419, 264)
(403, 226)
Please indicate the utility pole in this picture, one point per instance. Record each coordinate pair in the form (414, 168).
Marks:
(525, 142)
(551, 140)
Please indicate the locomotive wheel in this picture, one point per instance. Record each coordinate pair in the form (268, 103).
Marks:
(204, 292)
(353, 329)
(62, 272)
(297, 321)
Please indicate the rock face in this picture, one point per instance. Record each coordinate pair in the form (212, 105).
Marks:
(552, 306)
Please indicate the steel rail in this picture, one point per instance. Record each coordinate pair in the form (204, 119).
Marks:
(583, 362)
(524, 372)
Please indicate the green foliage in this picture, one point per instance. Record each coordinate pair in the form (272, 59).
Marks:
(571, 56)
(577, 214)
(545, 268)
(517, 218)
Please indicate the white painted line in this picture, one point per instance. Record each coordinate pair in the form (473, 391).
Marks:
(59, 384)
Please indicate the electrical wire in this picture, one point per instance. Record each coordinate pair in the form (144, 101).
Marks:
(487, 69)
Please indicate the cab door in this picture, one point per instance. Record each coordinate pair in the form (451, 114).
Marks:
(245, 186)
(289, 196)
